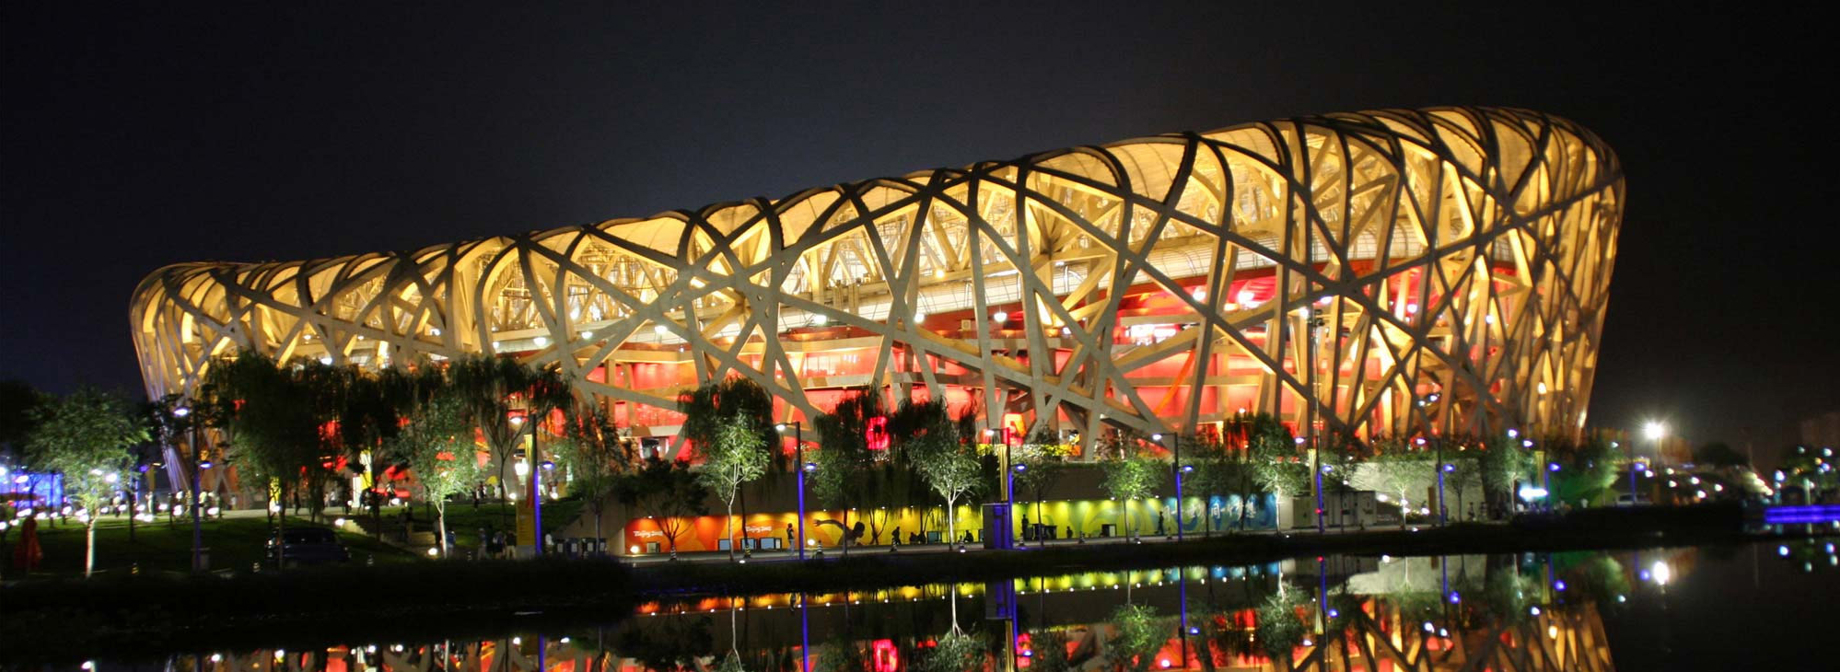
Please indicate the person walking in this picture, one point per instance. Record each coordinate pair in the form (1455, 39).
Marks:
(27, 553)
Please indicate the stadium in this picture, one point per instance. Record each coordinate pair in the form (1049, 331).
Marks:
(1377, 274)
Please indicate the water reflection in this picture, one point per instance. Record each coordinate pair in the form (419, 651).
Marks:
(1503, 612)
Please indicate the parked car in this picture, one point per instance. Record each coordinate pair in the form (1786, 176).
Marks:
(307, 546)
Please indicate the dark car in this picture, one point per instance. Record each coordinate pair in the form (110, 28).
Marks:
(307, 546)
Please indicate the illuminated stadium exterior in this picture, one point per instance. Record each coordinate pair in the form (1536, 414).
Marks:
(1388, 273)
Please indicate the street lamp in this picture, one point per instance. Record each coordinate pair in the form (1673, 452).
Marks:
(184, 412)
(1654, 431)
(1175, 451)
(1009, 487)
(1017, 469)
(798, 444)
(535, 482)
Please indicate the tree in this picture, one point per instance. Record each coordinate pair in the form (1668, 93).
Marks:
(274, 415)
(490, 387)
(1219, 470)
(955, 651)
(1139, 634)
(17, 402)
(713, 403)
(85, 436)
(1130, 477)
(596, 455)
(1274, 457)
(735, 453)
(1399, 470)
(1464, 472)
(437, 442)
(1717, 454)
(844, 457)
(1502, 464)
(948, 464)
(1043, 461)
(1587, 471)
(666, 491)
(710, 410)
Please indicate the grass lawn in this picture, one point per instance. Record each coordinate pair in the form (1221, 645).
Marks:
(234, 543)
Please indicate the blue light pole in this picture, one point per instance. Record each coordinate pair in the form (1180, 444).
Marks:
(1012, 488)
(1175, 451)
(1443, 511)
(798, 445)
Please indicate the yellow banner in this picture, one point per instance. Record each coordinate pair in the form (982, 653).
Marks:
(527, 523)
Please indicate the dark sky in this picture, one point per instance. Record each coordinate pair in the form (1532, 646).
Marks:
(131, 138)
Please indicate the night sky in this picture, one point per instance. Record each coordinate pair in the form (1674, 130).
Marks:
(131, 138)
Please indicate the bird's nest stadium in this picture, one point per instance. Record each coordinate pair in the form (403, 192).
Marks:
(1384, 273)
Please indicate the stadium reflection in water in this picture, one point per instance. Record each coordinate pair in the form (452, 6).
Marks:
(1500, 612)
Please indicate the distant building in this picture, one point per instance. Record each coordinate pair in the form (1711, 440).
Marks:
(1822, 430)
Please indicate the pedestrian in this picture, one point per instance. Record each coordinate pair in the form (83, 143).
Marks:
(1159, 523)
(27, 553)
(791, 539)
(895, 539)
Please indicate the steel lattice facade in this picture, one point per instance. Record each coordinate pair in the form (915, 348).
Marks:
(1381, 273)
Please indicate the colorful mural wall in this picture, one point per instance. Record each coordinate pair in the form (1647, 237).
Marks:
(1048, 520)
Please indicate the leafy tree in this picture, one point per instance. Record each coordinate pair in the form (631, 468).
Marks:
(666, 491)
(1210, 473)
(85, 436)
(1139, 634)
(492, 388)
(1274, 454)
(948, 464)
(1400, 470)
(1465, 472)
(437, 442)
(841, 655)
(1043, 460)
(274, 415)
(666, 644)
(1587, 471)
(1502, 464)
(596, 456)
(954, 651)
(735, 453)
(712, 404)
(17, 402)
(1130, 477)
(1049, 647)
(844, 459)
(1719, 455)
(371, 409)
(1279, 630)
(331, 394)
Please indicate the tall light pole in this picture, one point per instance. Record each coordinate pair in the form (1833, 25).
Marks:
(1175, 452)
(1009, 490)
(1311, 321)
(798, 445)
(1654, 431)
(1009, 481)
(536, 487)
(184, 413)
(532, 472)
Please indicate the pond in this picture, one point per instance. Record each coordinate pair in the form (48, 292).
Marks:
(1760, 606)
